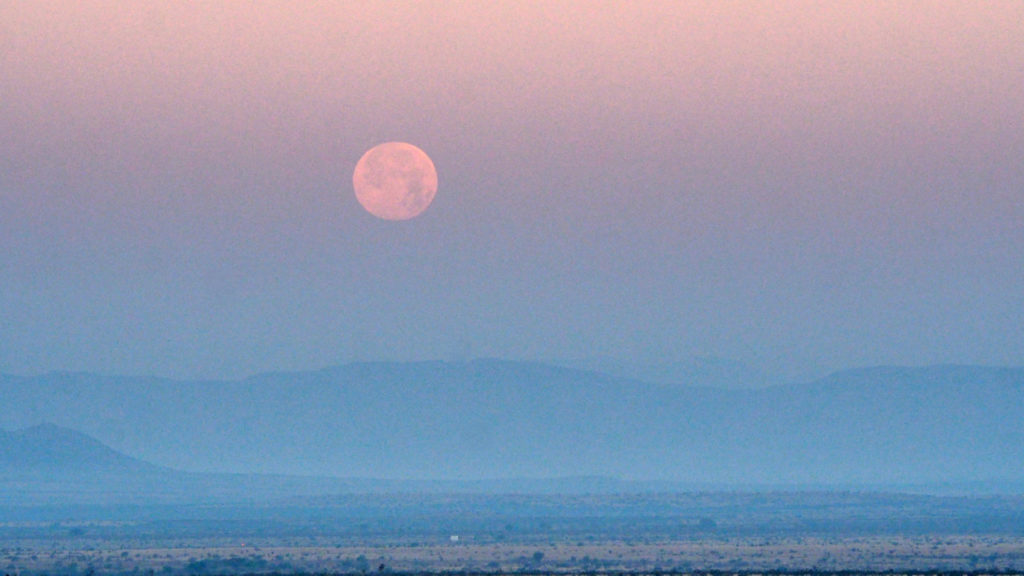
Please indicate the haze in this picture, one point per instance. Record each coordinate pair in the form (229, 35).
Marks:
(799, 187)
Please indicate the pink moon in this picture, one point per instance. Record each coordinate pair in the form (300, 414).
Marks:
(395, 181)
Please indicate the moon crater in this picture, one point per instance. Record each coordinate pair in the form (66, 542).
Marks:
(395, 181)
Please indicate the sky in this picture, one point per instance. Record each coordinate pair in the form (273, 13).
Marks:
(800, 186)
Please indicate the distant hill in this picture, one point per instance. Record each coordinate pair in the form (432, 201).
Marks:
(51, 465)
(489, 419)
(53, 450)
(703, 371)
(48, 464)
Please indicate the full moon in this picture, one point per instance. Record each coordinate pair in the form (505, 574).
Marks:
(395, 181)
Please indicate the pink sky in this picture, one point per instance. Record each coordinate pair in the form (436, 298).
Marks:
(802, 186)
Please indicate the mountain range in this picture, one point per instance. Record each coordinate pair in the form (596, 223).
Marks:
(490, 420)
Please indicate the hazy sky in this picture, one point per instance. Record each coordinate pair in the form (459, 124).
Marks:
(800, 186)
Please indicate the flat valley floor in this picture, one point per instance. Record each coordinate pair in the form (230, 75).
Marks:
(519, 533)
(869, 554)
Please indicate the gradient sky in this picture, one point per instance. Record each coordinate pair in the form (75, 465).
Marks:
(800, 186)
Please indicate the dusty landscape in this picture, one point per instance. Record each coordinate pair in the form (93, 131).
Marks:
(436, 533)
(70, 505)
(311, 555)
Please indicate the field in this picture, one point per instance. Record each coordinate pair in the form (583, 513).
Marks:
(731, 532)
(868, 554)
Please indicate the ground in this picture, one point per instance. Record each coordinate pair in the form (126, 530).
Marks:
(312, 555)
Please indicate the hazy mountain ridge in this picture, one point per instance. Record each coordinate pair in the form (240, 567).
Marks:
(48, 465)
(707, 371)
(497, 419)
(53, 450)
